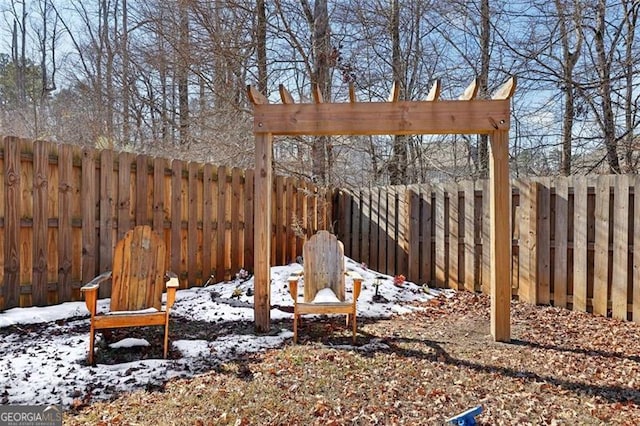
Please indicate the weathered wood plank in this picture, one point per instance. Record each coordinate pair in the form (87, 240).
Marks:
(440, 253)
(619, 283)
(454, 281)
(235, 244)
(580, 244)
(249, 196)
(124, 194)
(560, 243)
(194, 213)
(88, 196)
(469, 236)
(221, 223)
(65, 196)
(601, 254)
(262, 223)
(40, 223)
(176, 218)
(142, 190)
(159, 214)
(207, 221)
(414, 234)
(426, 242)
(486, 271)
(543, 242)
(107, 214)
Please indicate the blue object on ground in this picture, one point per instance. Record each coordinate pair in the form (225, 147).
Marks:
(468, 418)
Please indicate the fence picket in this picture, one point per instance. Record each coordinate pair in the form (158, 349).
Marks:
(601, 247)
(619, 283)
(560, 243)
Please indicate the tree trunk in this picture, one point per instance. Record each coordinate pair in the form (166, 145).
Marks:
(483, 80)
(183, 73)
(261, 40)
(321, 148)
(398, 162)
(604, 71)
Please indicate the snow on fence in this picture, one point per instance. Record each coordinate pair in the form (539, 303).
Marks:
(573, 238)
(63, 208)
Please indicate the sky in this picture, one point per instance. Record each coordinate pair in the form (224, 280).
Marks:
(49, 366)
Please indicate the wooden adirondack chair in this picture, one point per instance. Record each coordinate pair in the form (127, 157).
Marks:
(324, 272)
(138, 279)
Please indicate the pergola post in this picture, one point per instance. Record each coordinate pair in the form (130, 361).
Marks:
(262, 233)
(500, 236)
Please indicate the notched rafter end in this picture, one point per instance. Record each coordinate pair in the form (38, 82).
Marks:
(394, 95)
(352, 93)
(470, 92)
(285, 95)
(506, 91)
(434, 92)
(255, 96)
(317, 94)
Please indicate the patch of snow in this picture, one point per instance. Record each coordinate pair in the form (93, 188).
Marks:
(326, 295)
(49, 366)
(129, 343)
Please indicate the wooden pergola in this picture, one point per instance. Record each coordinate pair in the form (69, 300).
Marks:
(467, 115)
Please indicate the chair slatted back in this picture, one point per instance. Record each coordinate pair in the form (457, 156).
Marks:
(323, 257)
(138, 271)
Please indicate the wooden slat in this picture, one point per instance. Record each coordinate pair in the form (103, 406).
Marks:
(375, 216)
(365, 226)
(619, 283)
(234, 241)
(65, 188)
(392, 240)
(107, 215)
(194, 210)
(427, 271)
(486, 238)
(40, 223)
(142, 190)
(440, 253)
(356, 224)
(280, 221)
(222, 224)
(316, 94)
(414, 235)
(601, 250)
(207, 221)
(176, 217)
(560, 243)
(249, 196)
(88, 196)
(352, 93)
(402, 258)
(381, 225)
(636, 250)
(454, 281)
(528, 232)
(543, 243)
(580, 244)
(124, 194)
(469, 236)
(158, 195)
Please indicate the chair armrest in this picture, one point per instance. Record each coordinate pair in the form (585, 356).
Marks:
(94, 284)
(90, 291)
(172, 286)
(357, 284)
(293, 285)
(172, 280)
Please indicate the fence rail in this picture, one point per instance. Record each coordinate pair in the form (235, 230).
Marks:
(63, 208)
(573, 238)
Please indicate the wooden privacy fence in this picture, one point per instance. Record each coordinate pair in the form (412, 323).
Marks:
(573, 238)
(63, 208)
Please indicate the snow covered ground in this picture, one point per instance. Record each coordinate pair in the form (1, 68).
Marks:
(43, 350)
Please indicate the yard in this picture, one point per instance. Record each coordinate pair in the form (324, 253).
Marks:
(562, 367)
(421, 357)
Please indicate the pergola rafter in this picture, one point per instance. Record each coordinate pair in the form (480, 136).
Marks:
(467, 115)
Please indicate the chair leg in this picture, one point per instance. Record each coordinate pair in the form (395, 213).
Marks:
(295, 328)
(354, 329)
(92, 333)
(166, 336)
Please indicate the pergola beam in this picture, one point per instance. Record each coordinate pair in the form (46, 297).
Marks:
(478, 116)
